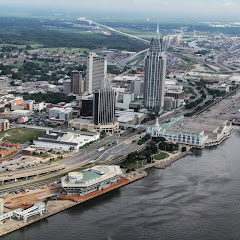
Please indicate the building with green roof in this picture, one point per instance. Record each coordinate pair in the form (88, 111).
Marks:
(90, 180)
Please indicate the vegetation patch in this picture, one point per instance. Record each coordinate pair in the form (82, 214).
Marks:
(160, 156)
(20, 135)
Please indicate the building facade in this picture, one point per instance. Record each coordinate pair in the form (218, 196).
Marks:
(90, 180)
(4, 125)
(65, 141)
(61, 114)
(137, 87)
(154, 78)
(123, 99)
(104, 106)
(96, 72)
(76, 82)
(198, 132)
(67, 86)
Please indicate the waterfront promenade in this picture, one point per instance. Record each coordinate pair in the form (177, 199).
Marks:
(161, 164)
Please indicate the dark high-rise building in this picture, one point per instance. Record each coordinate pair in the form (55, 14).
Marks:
(154, 78)
(104, 106)
(76, 82)
(86, 107)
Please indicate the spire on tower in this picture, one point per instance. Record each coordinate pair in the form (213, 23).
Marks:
(156, 44)
(157, 33)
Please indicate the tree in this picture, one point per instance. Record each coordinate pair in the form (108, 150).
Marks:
(184, 149)
(12, 83)
(103, 134)
(84, 130)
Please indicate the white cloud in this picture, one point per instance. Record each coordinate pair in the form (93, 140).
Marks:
(229, 4)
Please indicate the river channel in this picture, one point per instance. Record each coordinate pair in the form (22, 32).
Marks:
(198, 197)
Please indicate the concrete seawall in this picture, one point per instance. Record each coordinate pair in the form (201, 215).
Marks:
(55, 206)
(161, 164)
(166, 163)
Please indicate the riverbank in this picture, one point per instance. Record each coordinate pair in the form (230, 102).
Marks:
(56, 205)
(161, 164)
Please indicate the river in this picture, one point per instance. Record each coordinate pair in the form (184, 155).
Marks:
(198, 197)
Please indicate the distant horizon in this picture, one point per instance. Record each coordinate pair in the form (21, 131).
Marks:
(211, 10)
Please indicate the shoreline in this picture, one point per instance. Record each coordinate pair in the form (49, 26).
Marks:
(57, 205)
(64, 202)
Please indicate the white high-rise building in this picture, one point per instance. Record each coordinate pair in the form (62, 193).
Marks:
(96, 72)
(154, 78)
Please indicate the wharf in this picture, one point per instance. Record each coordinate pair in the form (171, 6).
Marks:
(56, 205)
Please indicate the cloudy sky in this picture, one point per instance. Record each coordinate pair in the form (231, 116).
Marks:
(190, 7)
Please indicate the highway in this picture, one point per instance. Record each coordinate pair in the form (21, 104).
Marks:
(124, 61)
(91, 154)
(77, 160)
(115, 30)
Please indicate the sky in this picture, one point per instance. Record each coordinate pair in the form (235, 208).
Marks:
(211, 8)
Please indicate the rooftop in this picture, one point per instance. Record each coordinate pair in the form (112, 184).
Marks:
(88, 176)
(197, 125)
(93, 175)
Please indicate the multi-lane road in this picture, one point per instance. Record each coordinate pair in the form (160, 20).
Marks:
(76, 160)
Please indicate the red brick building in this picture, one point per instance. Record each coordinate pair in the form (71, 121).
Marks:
(4, 125)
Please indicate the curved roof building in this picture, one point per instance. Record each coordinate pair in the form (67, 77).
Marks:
(90, 180)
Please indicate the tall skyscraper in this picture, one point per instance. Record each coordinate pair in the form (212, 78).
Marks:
(154, 78)
(96, 72)
(76, 82)
(104, 105)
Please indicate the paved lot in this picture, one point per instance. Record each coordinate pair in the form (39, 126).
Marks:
(226, 109)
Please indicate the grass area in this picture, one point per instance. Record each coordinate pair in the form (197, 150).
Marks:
(137, 164)
(160, 156)
(17, 65)
(20, 135)
(146, 34)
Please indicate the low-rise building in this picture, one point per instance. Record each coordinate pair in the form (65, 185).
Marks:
(171, 103)
(137, 87)
(123, 99)
(197, 132)
(129, 117)
(21, 112)
(90, 180)
(175, 94)
(39, 106)
(88, 124)
(4, 125)
(60, 114)
(31, 105)
(65, 140)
